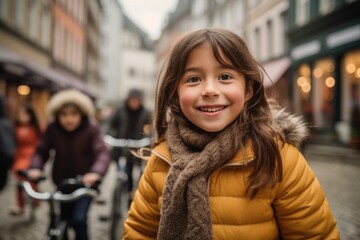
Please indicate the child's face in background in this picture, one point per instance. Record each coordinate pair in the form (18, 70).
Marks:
(23, 117)
(210, 95)
(70, 118)
(134, 103)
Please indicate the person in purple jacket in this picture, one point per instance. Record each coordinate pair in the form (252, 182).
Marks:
(79, 150)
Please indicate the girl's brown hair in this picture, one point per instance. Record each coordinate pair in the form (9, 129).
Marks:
(255, 119)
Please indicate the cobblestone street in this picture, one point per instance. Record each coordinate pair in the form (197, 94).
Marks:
(337, 171)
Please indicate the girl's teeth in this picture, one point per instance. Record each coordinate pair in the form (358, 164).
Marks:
(211, 109)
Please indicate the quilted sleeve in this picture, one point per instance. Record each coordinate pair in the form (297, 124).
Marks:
(301, 208)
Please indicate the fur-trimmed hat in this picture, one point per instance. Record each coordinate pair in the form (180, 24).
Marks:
(71, 96)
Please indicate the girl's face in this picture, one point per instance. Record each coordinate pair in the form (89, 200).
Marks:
(23, 117)
(70, 118)
(211, 96)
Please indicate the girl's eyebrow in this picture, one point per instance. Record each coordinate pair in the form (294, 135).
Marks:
(192, 69)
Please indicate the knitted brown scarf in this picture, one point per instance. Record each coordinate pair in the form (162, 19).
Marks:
(185, 212)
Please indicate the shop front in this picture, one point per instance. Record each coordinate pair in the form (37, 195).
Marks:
(24, 81)
(326, 81)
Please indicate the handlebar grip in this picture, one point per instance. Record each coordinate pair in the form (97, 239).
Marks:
(71, 184)
(24, 173)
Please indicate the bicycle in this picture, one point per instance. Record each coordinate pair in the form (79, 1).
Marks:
(74, 189)
(120, 193)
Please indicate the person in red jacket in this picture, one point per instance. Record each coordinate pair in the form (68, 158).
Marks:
(79, 150)
(28, 133)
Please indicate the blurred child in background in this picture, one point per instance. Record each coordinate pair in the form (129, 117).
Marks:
(27, 132)
(79, 150)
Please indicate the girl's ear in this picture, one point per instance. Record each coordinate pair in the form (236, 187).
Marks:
(249, 90)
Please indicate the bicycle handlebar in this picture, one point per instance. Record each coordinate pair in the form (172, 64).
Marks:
(130, 143)
(58, 196)
(79, 192)
(33, 194)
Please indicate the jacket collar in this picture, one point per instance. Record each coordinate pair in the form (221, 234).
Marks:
(242, 157)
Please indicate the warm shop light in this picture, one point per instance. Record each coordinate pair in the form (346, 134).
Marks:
(306, 88)
(350, 68)
(357, 73)
(318, 72)
(23, 90)
(301, 81)
(305, 70)
(330, 82)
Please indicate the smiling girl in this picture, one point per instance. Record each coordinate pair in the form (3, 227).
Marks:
(223, 167)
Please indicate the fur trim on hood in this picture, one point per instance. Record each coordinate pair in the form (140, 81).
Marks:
(74, 97)
(292, 127)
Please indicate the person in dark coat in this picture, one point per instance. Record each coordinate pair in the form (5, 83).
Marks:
(79, 150)
(130, 121)
(355, 116)
(7, 145)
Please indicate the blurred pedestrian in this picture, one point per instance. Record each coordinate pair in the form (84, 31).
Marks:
(28, 133)
(355, 116)
(130, 121)
(224, 166)
(79, 150)
(7, 145)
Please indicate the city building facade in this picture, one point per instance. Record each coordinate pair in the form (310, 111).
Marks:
(266, 36)
(325, 55)
(25, 53)
(42, 50)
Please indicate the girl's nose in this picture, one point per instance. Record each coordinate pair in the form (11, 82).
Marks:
(210, 89)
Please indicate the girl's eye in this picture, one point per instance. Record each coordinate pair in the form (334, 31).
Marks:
(225, 77)
(193, 80)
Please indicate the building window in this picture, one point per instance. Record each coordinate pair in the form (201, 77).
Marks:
(56, 50)
(254, 3)
(324, 85)
(81, 11)
(33, 19)
(285, 28)
(19, 14)
(303, 91)
(326, 6)
(68, 49)
(350, 84)
(198, 7)
(45, 26)
(132, 72)
(302, 12)
(4, 4)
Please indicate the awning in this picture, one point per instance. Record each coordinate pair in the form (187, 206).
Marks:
(275, 70)
(35, 74)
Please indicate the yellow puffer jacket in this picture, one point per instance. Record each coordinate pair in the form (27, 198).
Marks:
(295, 208)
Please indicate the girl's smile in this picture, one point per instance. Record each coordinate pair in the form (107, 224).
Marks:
(211, 95)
